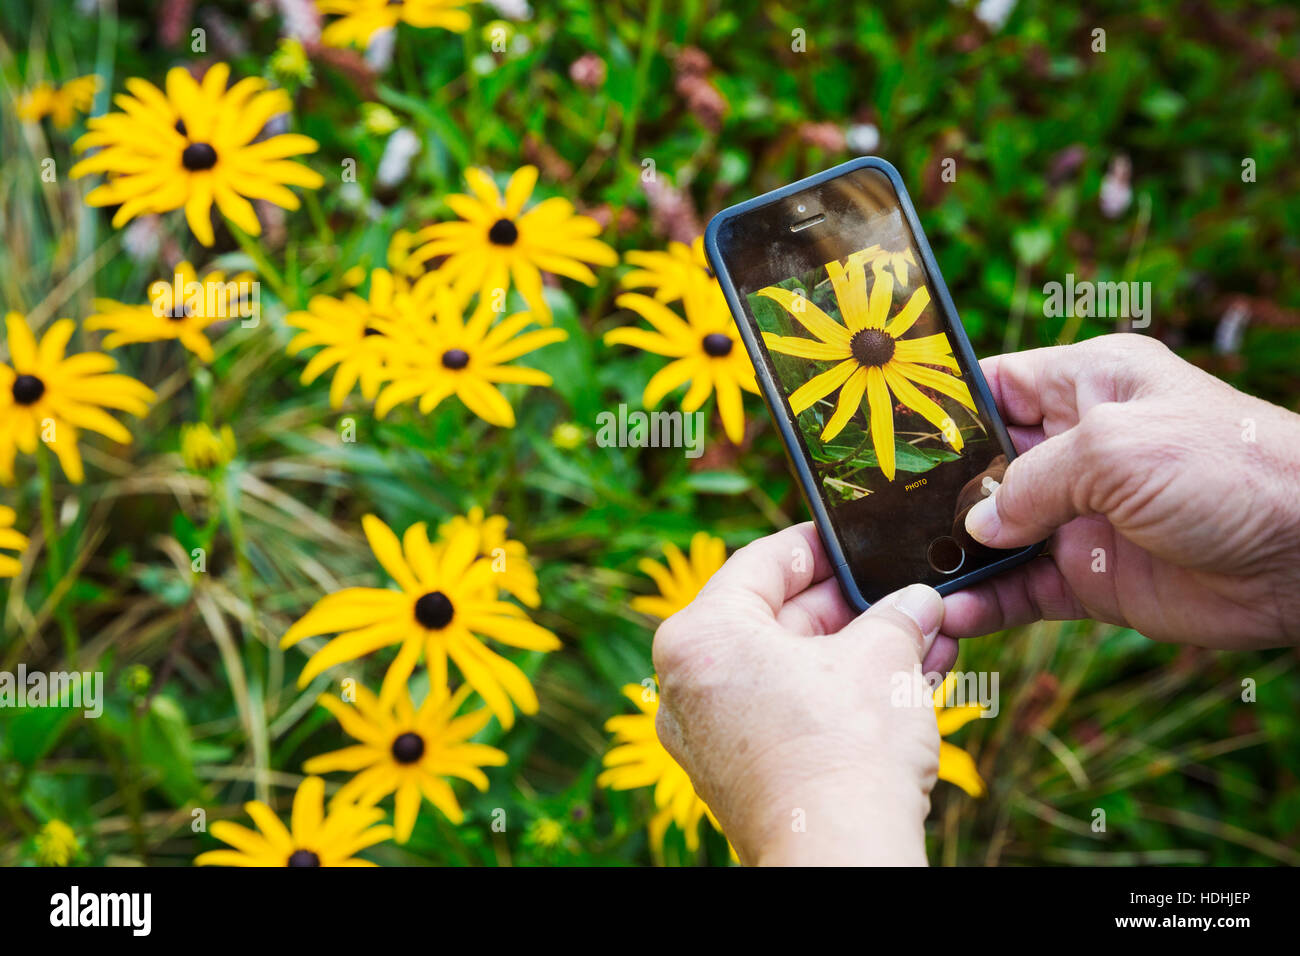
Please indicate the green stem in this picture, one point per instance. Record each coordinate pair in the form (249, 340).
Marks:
(14, 808)
(649, 36)
(54, 565)
(201, 379)
(263, 683)
(253, 250)
(323, 231)
(134, 806)
(475, 107)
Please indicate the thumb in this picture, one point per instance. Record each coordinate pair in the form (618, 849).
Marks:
(901, 627)
(1036, 496)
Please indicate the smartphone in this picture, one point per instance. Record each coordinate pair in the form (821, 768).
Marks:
(868, 373)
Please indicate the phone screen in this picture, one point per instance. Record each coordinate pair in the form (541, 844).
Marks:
(834, 286)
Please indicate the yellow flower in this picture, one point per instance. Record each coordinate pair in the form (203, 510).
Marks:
(350, 331)
(898, 262)
(513, 572)
(408, 752)
(402, 260)
(435, 357)
(56, 844)
(568, 436)
(682, 579)
(192, 146)
(638, 759)
(378, 119)
(45, 396)
(180, 308)
(496, 243)
(705, 348)
(12, 540)
(545, 833)
(313, 837)
(203, 449)
(362, 19)
(446, 602)
(290, 61)
(956, 765)
(871, 357)
(668, 273)
(60, 103)
(34, 104)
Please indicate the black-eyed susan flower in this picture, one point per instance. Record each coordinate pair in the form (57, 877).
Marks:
(10, 540)
(446, 608)
(350, 333)
(436, 358)
(359, 20)
(314, 836)
(638, 759)
(408, 752)
(956, 765)
(194, 145)
(204, 448)
(180, 308)
(57, 844)
(871, 357)
(45, 396)
(682, 579)
(496, 242)
(514, 573)
(668, 273)
(705, 348)
(60, 103)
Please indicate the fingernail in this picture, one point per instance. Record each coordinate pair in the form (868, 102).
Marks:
(982, 521)
(925, 607)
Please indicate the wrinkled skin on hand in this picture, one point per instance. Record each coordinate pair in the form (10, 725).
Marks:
(1172, 501)
(779, 701)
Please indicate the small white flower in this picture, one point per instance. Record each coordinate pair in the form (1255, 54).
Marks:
(513, 9)
(994, 13)
(395, 164)
(379, 52)
(862, 138)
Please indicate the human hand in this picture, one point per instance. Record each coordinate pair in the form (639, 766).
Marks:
(1172, 500)
(780, 703)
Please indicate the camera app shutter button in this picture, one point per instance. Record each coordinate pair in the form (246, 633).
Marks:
(945, 554)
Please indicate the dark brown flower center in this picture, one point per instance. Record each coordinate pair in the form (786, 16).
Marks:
(408, 748)
(717, 344)
(434, 611)
(872, 347)
(198, 156)
(455, 359)
(304, 858)
(503, 233)
(28, 389)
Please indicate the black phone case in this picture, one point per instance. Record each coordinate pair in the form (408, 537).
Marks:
(776, 403)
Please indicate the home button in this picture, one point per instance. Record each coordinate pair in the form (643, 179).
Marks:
(945, 555)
